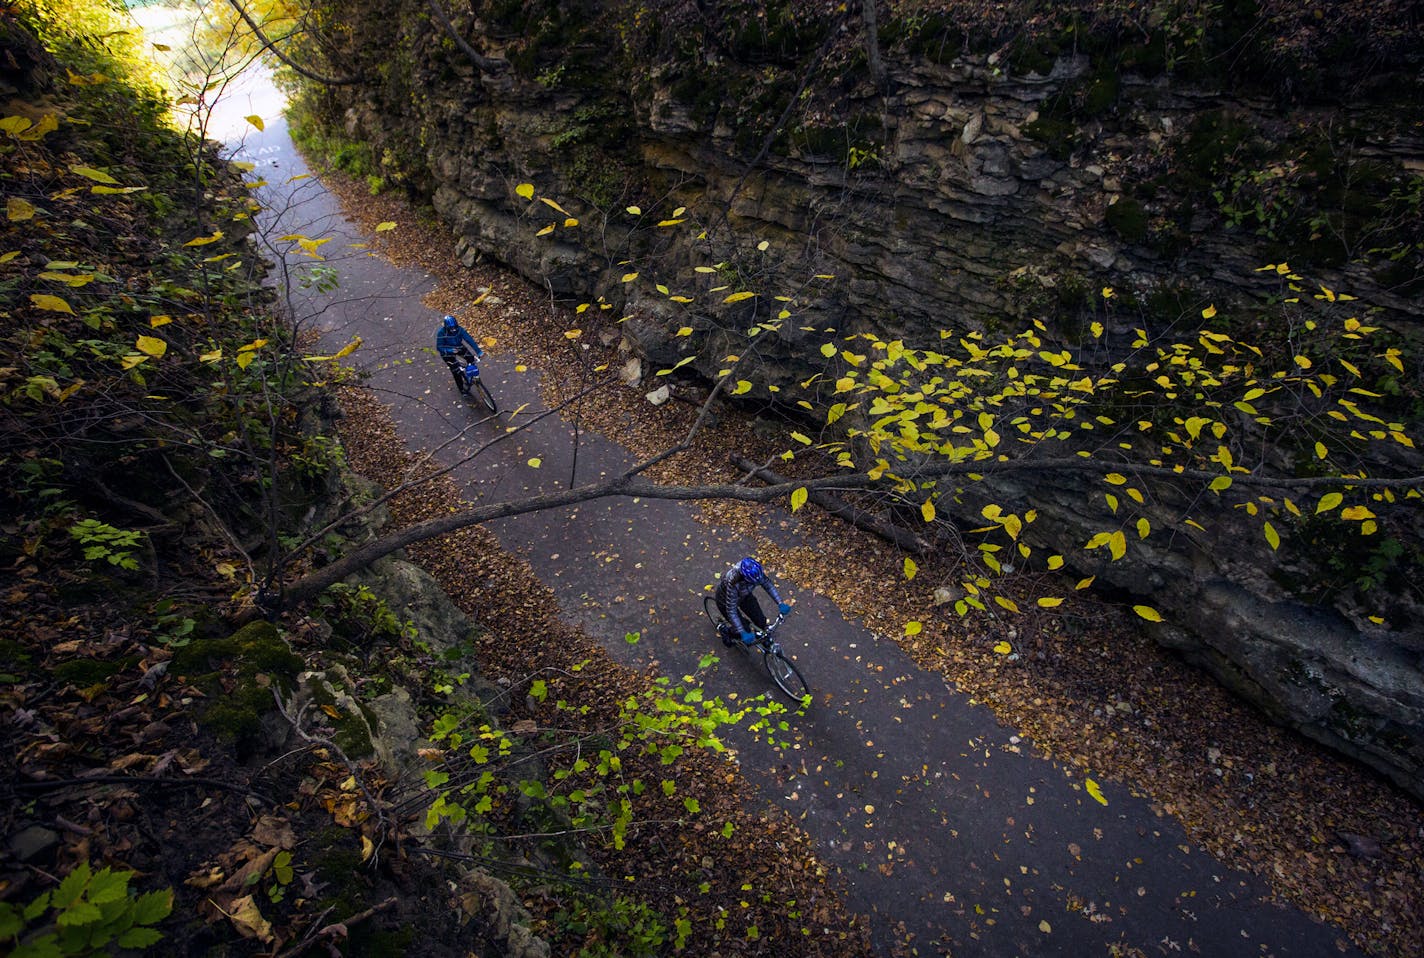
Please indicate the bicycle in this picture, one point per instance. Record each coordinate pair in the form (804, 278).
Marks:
(782, 670)
(472, 386)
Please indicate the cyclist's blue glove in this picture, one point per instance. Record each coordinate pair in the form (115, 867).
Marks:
(748, 638)
(784, 608)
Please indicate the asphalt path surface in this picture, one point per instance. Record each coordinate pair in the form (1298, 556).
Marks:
(949, 832)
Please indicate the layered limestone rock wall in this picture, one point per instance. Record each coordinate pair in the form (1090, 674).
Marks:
(963, 189)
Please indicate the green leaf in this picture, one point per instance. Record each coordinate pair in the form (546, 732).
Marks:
(79, 913)
(72, 886)
(692, 805)
(136, 938)
(109, 886)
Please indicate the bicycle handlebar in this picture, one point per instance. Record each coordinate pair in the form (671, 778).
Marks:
(772, 625)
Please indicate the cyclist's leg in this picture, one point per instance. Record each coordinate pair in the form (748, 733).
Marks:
(724, 628)
(751, 611)
(454, 364)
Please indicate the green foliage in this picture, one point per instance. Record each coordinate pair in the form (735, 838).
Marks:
(89, 913)
(102, 542)
(360, 616)
(612, 928)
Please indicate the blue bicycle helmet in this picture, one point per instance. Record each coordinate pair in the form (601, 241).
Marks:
(450, 323)
(751, 570)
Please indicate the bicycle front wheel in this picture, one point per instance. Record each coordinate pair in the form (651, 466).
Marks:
(787, 677)
(485, 396)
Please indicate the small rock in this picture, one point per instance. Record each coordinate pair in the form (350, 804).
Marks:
(33, 842)
(659, 396)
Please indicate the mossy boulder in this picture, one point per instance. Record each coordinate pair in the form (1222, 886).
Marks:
(239, 673)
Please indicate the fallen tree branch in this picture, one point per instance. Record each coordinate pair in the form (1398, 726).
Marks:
(859, 518)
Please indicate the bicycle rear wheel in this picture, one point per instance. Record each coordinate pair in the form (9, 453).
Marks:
(480, 391)
(787, 677)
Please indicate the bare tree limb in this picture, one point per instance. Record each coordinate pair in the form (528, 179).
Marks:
(271, 46)
(482, 63)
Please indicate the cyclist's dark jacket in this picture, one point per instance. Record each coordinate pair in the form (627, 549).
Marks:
(447, 341)
(733, 588)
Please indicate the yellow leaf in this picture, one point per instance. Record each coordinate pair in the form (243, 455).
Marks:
(546, 230)
(1003, 648)
(535, 463)
(570, 223)
(1116, 479)
(1006, 603)
(572, 333)
(348, 349)
(309, 246)
(368, 848)
(1272, 536)
(98, 176)
(256, 121)
(1209, 312)
(1117, 545)
(798, 498)
(548, 202)
(1050, 602)
(248, 920)
(525, 190)
(742, 387)
(1094, 791)
(211, 357)
(14, 124)
(1144, 528)
(1045, 927)
(1085, 583)
(635, 210)
(1353, 513)
(132, 360)
(151, 346)
(157, 321)
(17, 210)
(205, 240)
(51, 303)
(685, 331)
(1220, 484)
(629, 277)
(910, 568)
(6, 257)
(739, 296)
(928, 510)
(383, 227)
(1148, 613)
(245, 359)
(1328, 501)
(763, 246)
(1107, 292)
(913, 628)
(1055, 562)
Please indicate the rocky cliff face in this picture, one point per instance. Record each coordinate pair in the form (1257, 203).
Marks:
(963, 179)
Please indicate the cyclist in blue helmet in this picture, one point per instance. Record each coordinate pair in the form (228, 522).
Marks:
(453, 342)
(736, 599)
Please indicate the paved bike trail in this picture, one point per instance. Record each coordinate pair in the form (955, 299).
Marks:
(952, 835)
